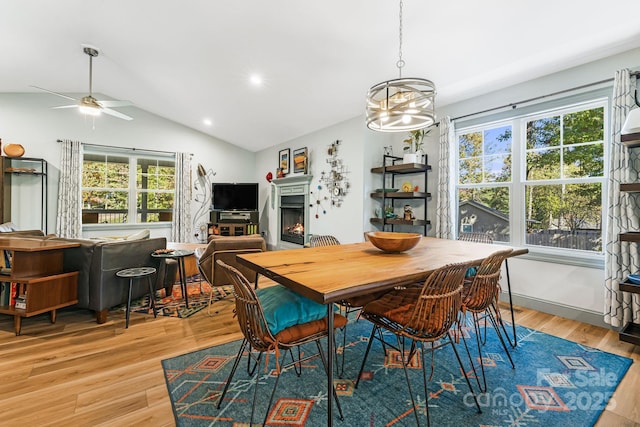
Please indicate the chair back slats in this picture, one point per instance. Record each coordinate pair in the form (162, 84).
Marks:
(249, 311)
(476, 237)
(322, 240)
(436, 309)
(482, 289)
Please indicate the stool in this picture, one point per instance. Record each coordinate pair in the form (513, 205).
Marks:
(138, 273)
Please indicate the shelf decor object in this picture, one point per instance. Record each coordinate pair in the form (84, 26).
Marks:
(14, 150)
(401, 104)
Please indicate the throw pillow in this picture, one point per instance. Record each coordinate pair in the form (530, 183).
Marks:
(284, 308)
(142, 234)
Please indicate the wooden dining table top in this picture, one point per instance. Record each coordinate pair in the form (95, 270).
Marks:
(329, 274)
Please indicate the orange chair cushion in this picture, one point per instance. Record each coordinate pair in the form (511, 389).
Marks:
(301, 331)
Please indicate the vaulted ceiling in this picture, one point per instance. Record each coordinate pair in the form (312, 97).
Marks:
(193, 60)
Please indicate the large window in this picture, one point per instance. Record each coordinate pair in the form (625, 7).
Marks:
(535, 180)
(119, 188)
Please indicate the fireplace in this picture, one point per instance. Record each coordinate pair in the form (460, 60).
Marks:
(292, 219)
(290, 198)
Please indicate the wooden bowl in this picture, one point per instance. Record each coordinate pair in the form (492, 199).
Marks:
(14, 150)
(393, 242)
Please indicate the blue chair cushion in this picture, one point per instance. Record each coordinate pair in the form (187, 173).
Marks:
(471, 272)
(284, 308)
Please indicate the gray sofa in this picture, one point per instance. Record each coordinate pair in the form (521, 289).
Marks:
(98, 261)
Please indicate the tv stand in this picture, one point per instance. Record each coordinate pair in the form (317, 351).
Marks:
(233, 223)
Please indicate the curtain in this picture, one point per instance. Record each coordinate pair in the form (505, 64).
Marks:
(621, 258)
(69, 216)
(444, 219)
(181, 226)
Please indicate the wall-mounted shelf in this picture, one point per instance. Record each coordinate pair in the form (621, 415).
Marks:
(392, 168)
(16, 172)
(631, 140)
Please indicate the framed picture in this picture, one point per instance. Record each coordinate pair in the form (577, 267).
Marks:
(283, 160)
(300, 160)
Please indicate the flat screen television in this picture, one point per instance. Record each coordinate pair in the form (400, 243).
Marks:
(234, 196)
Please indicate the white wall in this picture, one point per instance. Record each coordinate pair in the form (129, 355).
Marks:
(27, 119)
(358, 148)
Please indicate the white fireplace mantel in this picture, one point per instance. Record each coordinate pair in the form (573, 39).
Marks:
(291, 185)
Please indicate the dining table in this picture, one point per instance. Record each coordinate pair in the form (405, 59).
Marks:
(330, 274)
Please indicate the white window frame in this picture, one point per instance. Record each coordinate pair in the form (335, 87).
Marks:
(517, 185)
(132, 213)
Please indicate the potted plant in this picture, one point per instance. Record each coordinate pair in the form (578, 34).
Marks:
(413, 145)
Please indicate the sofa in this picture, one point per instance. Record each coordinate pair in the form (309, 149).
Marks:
(97, 262)
(226, 248)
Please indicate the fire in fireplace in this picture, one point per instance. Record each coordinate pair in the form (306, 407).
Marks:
(292, 219)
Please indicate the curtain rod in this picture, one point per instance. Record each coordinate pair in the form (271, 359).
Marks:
(128, 148)
(536, 98)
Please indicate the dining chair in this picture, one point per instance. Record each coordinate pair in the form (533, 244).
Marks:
(480, 298)
(273, 319)
(479, 237)
(420, 313)
(347, 306)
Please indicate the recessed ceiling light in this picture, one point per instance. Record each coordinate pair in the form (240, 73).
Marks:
(207, 122)
(256, 80)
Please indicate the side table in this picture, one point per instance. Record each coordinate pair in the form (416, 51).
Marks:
(179, 255)
(37, 271)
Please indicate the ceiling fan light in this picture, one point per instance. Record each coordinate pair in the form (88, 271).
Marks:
(89, 110)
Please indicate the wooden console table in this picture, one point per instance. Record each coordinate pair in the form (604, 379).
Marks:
(37, 271)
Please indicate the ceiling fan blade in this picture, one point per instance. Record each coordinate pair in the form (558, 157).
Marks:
(107, 104)
(54, 93)
(117, 114)
(66, 106)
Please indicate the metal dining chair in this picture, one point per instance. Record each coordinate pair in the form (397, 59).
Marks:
(420, 313)
(258, 336)
(479, 237)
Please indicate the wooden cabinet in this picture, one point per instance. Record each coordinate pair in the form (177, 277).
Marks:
(631, 331)
(18, 171)
(392, 194)
(232, 229)
(37, 275)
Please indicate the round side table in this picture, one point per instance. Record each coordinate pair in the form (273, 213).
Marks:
(138, 273)
(179, 255)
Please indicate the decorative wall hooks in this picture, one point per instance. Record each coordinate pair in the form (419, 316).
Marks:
(335, 181)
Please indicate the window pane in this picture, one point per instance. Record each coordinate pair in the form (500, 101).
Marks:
(470, 145)
(543, 164)
(470, 171)
(584, 161)
(485, 210)
(497, 140)
(565, 216)
(583, 126)
(498, 168)
(543, 133)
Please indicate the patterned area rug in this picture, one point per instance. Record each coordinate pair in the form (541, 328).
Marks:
(556, 382)
(174, 306)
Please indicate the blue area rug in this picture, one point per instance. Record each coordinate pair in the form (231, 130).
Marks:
(556, 382)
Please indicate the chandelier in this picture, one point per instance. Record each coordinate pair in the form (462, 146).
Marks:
(401, 104)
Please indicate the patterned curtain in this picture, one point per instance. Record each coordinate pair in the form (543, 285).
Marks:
(69, 216)
(444, 219)
(621, 258)
(181, 226)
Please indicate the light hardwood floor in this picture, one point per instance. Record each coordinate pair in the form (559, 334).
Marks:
(78, 373)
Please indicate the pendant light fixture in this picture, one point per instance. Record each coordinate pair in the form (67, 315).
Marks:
(401, 104)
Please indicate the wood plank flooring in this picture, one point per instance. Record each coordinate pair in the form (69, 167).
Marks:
(78, 373)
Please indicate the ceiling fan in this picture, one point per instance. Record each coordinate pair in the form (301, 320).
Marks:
(88, 104)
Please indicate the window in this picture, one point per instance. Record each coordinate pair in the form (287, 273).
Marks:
(536, 180)
(118, 188)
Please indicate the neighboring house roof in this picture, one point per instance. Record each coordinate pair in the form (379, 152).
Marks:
(485, 208)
